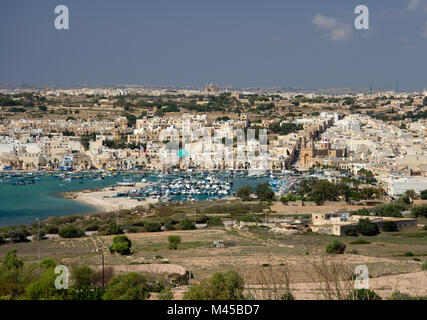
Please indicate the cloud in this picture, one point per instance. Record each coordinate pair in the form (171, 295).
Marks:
(413, 4)
(332, 29)
(424, 33)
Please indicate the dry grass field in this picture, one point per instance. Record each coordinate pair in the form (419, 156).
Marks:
(265, 260)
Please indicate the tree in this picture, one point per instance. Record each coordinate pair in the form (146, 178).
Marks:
(390, 226)
(121, 245)
(129, 286)
(11, 261)
(324, 190)
(174, 241)
(335, 247)
(367, 228)
(44, 288)
(423, 194)
(187, 224)
(47, 263)
(419, 211)
(410, 194)
(221, 286)
(17, 235)
(82, 276)
(71, 231)
(152, 226)
(244, 193)
(264, 192)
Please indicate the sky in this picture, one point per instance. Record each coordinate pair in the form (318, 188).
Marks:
(240, 43)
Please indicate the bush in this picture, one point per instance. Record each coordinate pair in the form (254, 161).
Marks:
(152, 226)
(360, 212)
(335, 247)
(71, 232)
(187, 224)
(121, 245)
(419, 211)
(364, 294)
(249, 218)
(390, 226)
(264, 192)
(17, 235)
(174, 241)
(367, 228)
(51, 229)
(424, 266)
(244, 193)
(221, 286)
(408, 254)
(202, 218)
(82, 276)
(93, 226)
(166, 294)
(361, 241)
(215, 222)
(169, 224)
(423, 194)
(129, 286)
(38, 234)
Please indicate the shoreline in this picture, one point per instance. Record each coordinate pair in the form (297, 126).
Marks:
(104, 200)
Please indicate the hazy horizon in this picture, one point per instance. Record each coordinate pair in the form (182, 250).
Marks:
(245, 44)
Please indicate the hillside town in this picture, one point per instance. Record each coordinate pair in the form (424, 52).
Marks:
(384, 133)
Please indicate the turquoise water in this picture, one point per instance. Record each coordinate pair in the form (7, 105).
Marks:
(21, 204)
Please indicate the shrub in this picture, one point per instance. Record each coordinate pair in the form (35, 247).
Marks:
(82, 276)
(215, 222)
(187, 224)
(419, 211)
(51, 229)
(71, 232)
(423, 194)
(335, 247)
(129, 286)
(166, 294)
(202, 218)
(424, 266)
(360, 212)
(361, 241)
(38, 234)
(169, 225)
(390, 226)
(408, 254)
(244, 193)
(364, 294)
(221, 286)
(350, 230)
(17, 235)
(93, 226)
(264, 192)
(367, 228)
(121, 245)
(174, 241)
(152, 226)
(249, 218)
(11, 262)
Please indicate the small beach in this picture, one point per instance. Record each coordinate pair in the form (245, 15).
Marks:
(105, 199)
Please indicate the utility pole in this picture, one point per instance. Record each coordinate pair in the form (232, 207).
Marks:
(103, 270)
(38, 242)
